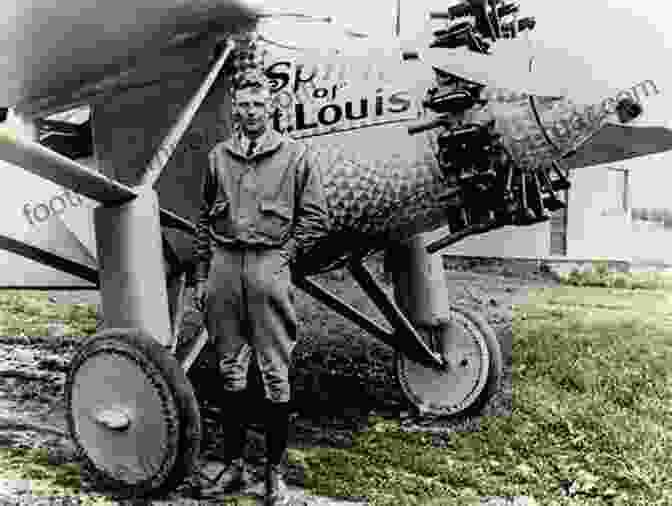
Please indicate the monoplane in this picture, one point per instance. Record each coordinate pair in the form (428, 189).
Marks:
(141, 86)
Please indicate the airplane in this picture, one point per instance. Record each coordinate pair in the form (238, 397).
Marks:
(145, 101)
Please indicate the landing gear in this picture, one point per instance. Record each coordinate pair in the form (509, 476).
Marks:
(132, 413)
(473, 373)
(467, 345)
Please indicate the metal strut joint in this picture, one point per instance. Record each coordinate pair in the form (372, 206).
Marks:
(414, 345)
(403, 339)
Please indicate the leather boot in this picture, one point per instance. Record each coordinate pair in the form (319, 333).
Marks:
(275, 487)
(234, 476)
(277, 431)
(231, 479)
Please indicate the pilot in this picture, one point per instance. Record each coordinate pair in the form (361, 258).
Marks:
(263, 204)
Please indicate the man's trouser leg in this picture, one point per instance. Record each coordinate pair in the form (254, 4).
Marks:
(226, 323)
(273, 326)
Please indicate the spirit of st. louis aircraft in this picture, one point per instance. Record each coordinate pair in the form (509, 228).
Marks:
(142, 87)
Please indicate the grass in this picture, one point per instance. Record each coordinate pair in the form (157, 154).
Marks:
(47, 479)
(27, 313)
(600, 276)
(592, 403)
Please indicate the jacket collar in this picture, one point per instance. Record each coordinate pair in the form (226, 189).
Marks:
(270, 141)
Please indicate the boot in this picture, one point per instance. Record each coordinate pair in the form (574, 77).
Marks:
(275, 487)
(277, 432)
(234, 477)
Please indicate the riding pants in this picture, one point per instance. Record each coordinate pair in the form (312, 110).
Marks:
(250, 309)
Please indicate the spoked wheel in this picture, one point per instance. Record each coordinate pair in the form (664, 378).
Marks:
(473, 377)
(132, 413)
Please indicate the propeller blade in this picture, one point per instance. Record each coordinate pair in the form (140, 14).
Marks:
(507, 67)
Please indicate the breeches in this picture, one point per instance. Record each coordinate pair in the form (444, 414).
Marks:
(250, 309)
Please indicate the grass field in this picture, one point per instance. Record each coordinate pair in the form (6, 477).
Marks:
(592, 404)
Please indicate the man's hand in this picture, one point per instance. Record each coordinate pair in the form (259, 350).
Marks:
(199, 295)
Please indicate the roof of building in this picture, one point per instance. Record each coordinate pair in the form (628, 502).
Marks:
(614, 143)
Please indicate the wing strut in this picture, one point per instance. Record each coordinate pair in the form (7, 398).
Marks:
(46, 163)
(412, 344)
(404, 338)
(50, 259)
(169, 144)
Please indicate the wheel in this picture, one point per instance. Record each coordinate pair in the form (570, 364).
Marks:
(473, 378)
(132, 413)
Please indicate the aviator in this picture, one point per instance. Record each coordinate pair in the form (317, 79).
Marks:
(57, 205)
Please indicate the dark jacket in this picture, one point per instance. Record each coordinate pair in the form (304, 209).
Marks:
(275, 198)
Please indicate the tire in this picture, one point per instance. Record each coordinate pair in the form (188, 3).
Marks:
(434, 392)
(129, 370)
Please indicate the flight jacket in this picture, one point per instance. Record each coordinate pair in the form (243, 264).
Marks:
(273, 198)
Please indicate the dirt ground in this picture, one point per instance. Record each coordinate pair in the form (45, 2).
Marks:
(331, 353)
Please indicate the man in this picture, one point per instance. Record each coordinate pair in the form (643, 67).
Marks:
(263, 203)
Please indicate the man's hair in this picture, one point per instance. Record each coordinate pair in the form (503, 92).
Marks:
(251, 79)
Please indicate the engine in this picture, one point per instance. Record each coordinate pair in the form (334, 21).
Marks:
(473, 156)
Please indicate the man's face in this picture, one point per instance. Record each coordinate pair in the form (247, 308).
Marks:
(252, 107)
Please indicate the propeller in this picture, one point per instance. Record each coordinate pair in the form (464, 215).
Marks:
(285, 23)
(506, 66)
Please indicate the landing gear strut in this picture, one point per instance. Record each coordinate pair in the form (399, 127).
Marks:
(131, 411)
(467, 344)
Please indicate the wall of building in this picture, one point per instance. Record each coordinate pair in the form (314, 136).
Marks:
(513, 242)
(598, 223)
(651, 189)
(651, 243)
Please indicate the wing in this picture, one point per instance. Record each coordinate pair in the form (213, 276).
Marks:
(56, 55)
